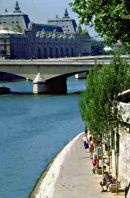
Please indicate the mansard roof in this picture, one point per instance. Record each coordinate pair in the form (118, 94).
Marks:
(65, 18)
(47, 28)
(15, 15)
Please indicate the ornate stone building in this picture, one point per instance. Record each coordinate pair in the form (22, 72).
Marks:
(22, 39)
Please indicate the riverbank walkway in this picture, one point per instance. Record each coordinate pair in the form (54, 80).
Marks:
(76, 179)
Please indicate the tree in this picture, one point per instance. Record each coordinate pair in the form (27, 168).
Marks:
(98, 104)
(97, 47)
(111, 18)
(85, 32)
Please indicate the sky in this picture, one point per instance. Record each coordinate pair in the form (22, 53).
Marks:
(41, 10)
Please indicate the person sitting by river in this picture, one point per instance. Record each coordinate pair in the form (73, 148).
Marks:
(91, 147)
(106, 181)
(95, 162)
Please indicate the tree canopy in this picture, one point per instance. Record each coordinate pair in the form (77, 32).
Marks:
(97, 47)
(98, 104)
(111, 18)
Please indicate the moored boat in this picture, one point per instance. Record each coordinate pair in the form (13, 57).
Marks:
(4, 90)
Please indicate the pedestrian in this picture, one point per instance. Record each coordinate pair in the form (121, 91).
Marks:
(86, 130)
(85, 141)
(91, 147)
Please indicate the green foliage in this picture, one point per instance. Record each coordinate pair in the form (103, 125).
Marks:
(98, 104)
(85, 32)
(121, 49)
(97, 47)
(111, 18)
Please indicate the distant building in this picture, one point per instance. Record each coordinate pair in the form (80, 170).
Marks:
(22, 39)
(67, 24)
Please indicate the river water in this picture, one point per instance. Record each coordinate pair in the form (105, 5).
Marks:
(32, 130)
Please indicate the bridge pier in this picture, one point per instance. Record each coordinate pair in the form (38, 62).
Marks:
(39, 85)
(39, 88)
(54, 86)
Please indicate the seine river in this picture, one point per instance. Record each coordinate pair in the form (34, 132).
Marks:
(32, 130)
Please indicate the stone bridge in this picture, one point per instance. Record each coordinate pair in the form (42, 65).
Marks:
(52, 73)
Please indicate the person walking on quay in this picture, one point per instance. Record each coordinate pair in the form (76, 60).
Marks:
(85, 141)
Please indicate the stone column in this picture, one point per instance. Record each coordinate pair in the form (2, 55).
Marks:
(53, 86)
(39, 85)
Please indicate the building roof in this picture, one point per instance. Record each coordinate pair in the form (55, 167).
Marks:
(22, 15)
(15, 13)
(65, 18)
(48, 28)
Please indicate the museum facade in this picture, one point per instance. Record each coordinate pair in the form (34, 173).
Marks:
(22, 39)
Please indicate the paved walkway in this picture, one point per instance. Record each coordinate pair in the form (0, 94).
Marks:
(76, 179)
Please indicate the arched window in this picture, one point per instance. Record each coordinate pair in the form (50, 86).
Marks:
(67, 52)
(45, 53)
(61, 52)
(72, 52)
(39, 52)
(56, 51)
(51, 53)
